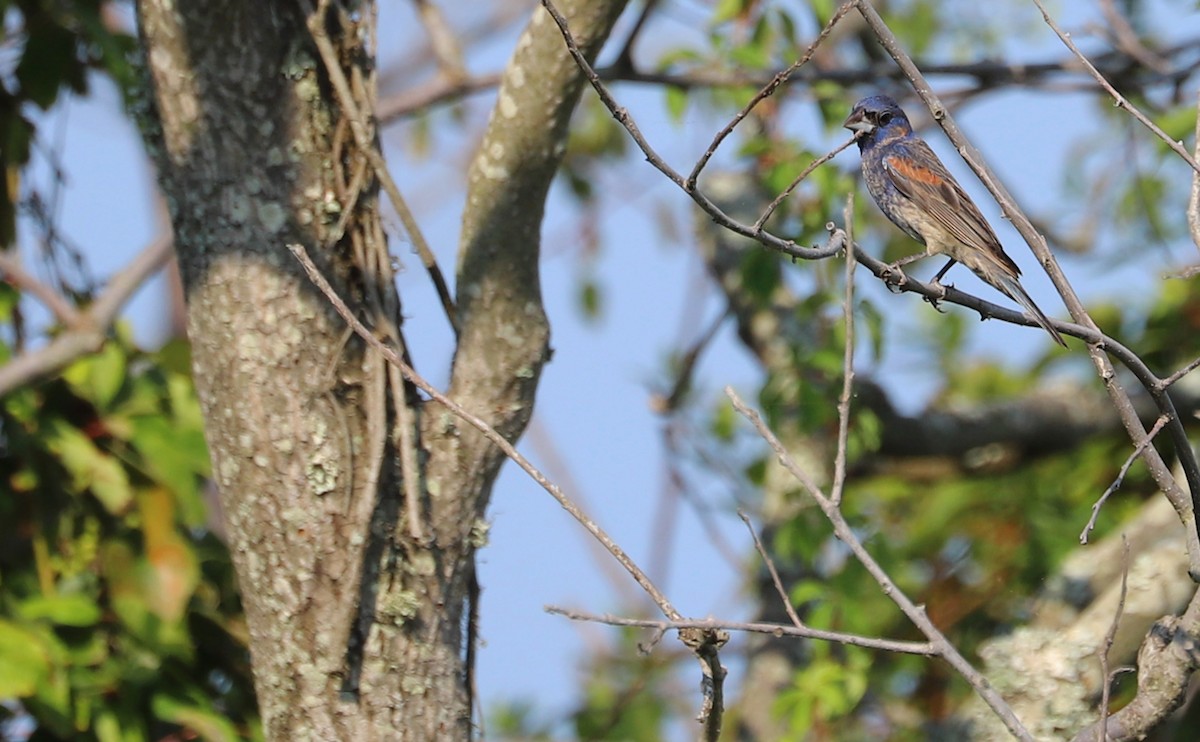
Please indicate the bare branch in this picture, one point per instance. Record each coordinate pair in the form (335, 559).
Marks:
(88, 333)
(1110, 637)
(1122, 101)
(758, 225)
(1187, 369)
(486, 430)
(15, 274)
(770, 565)
(705, 644)
(787, 247)
(1116, 483)
(773, 629)
(702, 641)
(767, 91)
(1167, 660)
(916, 614)
(446, 48)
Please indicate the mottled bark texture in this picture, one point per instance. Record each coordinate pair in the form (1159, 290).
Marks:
(357, 626)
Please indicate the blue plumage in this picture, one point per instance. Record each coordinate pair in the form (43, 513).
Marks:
(914, 189)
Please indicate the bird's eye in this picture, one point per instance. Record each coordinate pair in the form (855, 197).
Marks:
(885, 118)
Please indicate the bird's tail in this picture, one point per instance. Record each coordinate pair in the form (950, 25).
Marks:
(1012, 287)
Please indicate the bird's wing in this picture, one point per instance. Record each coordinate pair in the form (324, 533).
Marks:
(920, 176)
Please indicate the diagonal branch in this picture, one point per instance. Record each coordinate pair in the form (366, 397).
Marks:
(487, 431)
(1122, 101)
(787, 247)
(703, 641)
(916, 614)
(88, 333)
(364, 137)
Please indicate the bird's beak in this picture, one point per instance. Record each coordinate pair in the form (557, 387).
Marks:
(858, 124)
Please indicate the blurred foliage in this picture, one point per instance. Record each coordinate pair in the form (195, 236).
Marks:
(625, 695)
(119, 615)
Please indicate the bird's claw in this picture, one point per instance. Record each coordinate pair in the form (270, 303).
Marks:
(893, 277)
(940, 291)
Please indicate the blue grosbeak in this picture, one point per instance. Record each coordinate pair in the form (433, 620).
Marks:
(913, 188)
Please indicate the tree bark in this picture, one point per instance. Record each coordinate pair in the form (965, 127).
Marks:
(355, 601)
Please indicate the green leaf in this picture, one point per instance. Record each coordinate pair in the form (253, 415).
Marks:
(90, 468)
(100, 376)
(65, 610)
(172, 457)
(210, 726)
(677, 101)
(727, 10)
(23, 661)
(49, 62)
(590, 299)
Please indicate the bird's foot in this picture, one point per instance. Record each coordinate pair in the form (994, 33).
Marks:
(893, 277)
(939, 289)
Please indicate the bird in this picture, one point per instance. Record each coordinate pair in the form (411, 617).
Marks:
(918, 194)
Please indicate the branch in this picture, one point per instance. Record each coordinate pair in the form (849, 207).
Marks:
(916, 614)
(986, 73)
(787, 247)
(925, 649)
(1122, 101)
(446, 48)
(1167, 660)
(766, 91)
(88, 333)
(392, 357)
(1116, 484)
(15, 274)
(364, 137)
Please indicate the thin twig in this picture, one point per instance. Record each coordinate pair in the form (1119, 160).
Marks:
(486, 430)
(625, 56)
(1121, 101)
(446, 49)
(916, 614)
(1127, 39)
(770, 565)
(758, 225)
(767, 90)
(91, 329)
(1110, 637)
(925, 649)
(668, 403)
(365, 140)
(787, 247)
(839, 462)
(1190, 367)
(1116, 483)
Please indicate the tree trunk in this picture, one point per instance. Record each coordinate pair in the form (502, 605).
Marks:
(355, 599)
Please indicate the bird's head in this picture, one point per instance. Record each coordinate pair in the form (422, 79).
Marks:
(876, 118)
